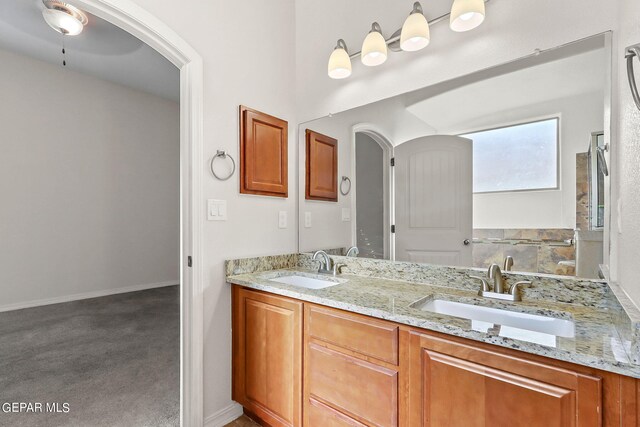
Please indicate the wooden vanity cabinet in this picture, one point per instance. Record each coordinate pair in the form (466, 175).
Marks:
(267, 356)
(362, 371)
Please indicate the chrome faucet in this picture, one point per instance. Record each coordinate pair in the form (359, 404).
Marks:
(500, 289)
(325, 262)
(353, 251)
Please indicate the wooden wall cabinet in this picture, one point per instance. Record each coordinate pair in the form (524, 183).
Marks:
(321, 175)
(361, 371)
(263, 154)
(267, 356)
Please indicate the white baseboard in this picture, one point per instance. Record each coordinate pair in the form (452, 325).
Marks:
(224, 416)
(85, 295)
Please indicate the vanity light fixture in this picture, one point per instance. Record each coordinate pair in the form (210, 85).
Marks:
(414, 35)
(466, 15)
(415, 31)
(339, 62)
(374, 47)
(63, 17)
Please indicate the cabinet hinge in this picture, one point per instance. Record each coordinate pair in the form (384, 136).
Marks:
(393, 228)
(393, 161)
(189, 261)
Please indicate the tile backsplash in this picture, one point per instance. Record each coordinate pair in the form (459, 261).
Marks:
(539, 250)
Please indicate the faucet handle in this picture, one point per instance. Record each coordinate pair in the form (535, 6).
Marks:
(337, 268)
(514, 288)
(484, 286)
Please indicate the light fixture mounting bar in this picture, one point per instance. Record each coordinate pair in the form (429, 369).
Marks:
(395, 37)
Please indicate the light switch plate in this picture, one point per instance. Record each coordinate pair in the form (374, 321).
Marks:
(346, 214)
(216, 210)
(282, 219)
(307, 220)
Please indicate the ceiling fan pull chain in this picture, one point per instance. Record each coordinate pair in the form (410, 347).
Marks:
(64, 53)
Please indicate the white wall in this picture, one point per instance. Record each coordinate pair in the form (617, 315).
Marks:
(248, 48)
(579, 116)
(89, 184)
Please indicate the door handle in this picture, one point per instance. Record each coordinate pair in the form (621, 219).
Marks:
(466, 242)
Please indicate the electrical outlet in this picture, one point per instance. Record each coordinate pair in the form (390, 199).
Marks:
(307, 220)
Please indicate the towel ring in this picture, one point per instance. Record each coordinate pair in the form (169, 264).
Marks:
(630, 53)
(223, 154)
(345, 179)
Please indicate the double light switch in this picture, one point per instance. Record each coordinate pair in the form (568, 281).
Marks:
(216, 210)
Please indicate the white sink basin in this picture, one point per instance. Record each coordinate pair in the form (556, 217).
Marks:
(522, 326)
(306, 282)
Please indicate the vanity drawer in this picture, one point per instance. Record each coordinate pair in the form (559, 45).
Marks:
(371, 338)
(320, 414)
(354, 388)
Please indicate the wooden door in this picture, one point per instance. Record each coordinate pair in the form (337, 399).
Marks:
(321, 177)
(263, 154)
(454, 384)
(267, 362)
(434, 206)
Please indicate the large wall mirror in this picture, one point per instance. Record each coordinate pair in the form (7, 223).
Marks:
(511, 161)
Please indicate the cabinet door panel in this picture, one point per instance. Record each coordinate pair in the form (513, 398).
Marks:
(267, 357)
(463, 393)
(263, 154)
(454, 384)
(321, 174)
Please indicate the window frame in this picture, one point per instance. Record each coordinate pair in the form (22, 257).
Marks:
(557, 117)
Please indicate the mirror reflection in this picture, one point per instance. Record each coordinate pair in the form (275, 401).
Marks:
(508, 165)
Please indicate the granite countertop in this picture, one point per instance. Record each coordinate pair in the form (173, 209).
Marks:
(604, 334)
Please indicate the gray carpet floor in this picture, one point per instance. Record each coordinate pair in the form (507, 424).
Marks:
(114, 360)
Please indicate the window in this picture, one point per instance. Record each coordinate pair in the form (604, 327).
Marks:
(516, 158)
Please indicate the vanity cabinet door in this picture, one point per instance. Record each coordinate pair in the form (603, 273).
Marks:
(267, 361)
(454, 384)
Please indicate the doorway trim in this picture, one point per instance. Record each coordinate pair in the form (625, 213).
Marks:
(384, 142)
(140, 23)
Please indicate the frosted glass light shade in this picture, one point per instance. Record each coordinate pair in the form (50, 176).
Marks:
(62, 22)
(374, 49)
(339, 64)
(415, 33)
(466, 14)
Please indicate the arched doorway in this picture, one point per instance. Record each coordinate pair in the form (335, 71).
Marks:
(138, 22)
(371, 233)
